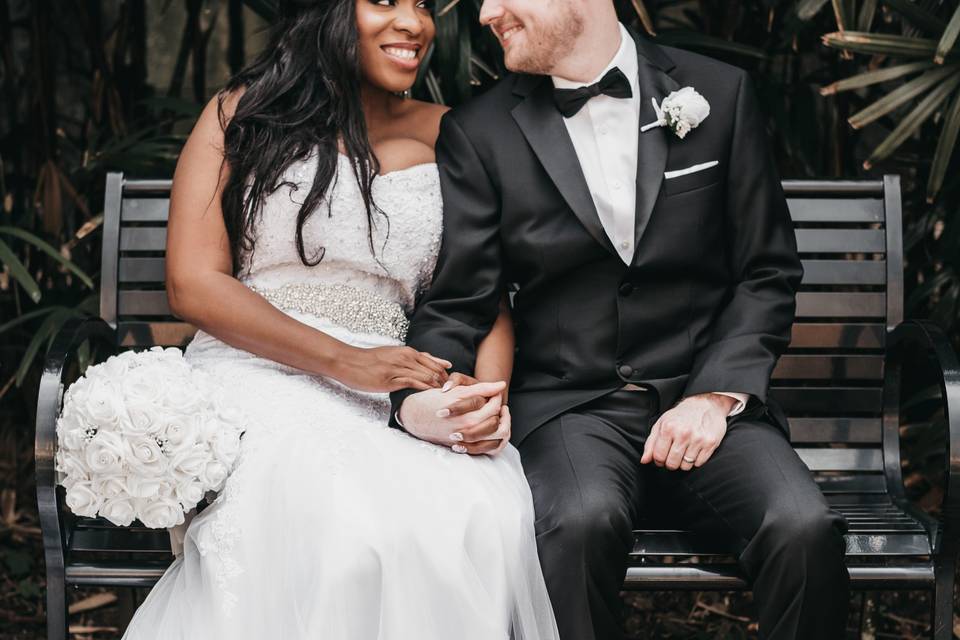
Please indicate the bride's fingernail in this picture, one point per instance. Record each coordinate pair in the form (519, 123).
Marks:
(446, 386)
(456, 437)
(459, 448)
(443, 413)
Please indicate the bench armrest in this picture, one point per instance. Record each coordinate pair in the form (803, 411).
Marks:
(909, 339)
(74, 333)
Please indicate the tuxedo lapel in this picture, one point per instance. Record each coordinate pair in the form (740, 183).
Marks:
(543, 127)
(652, 145)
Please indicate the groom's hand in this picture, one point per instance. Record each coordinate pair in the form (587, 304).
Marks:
(687, 435)
(427, 416)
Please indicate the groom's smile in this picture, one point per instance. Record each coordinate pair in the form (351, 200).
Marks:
(534, 34)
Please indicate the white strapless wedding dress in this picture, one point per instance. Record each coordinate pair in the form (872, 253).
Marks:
(334, 526)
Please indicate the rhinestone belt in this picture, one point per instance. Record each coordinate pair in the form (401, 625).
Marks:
(355, 309)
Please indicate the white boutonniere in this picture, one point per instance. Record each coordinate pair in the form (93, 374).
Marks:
(681, 111)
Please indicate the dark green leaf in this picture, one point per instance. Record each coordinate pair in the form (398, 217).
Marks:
(946, 144)
(50, 251)
(19, 271)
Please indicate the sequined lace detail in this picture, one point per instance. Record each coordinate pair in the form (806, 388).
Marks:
(358, 310)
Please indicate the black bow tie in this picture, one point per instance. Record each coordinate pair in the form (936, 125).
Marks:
(613, 84)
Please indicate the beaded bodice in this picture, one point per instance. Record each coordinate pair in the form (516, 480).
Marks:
(406, 241)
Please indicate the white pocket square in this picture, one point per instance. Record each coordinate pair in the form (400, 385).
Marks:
(697, 167)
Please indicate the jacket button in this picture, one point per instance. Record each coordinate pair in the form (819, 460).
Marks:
(625, 370)
(626, 289)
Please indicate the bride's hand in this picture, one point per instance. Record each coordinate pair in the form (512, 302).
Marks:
(391, 368)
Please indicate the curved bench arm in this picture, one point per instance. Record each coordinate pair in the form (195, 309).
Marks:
(920, 336)
(74, 333)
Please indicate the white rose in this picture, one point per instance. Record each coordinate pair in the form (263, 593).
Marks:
(141, 388)
(145, 487)
(183, 395)
(114, 367)
(71, 431)
(160, 513)
(142, 418)
(190, 461)
(103, 405)
(70, 469)
(105, 453)
(82, 500)
(189, 492)
(110, 486)
(213, 476)
(684, 110)
(180, 433)
(146, 458)
(118, 510)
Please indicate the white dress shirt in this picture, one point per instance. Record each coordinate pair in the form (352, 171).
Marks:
(605, 136)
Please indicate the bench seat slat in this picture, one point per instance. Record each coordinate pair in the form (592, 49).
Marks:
(726, 577)
(121, 540)
(687, 544)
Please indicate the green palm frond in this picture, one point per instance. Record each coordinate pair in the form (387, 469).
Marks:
(927, 73)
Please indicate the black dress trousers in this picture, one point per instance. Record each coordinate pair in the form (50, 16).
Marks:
(754, 493)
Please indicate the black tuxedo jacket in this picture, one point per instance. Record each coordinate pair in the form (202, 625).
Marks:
(705, 305)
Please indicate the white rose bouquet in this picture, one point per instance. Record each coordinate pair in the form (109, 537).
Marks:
(144, 435)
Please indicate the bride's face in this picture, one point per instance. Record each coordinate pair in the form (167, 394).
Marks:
(394, 37)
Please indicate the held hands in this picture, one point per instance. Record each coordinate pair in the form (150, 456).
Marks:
(390, 368)
(687, 435)
(466, 415)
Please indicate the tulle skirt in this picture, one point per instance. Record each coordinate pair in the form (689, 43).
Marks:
(334, 526)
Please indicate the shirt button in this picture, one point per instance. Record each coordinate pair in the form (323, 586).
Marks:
(615, 185)
(625, 370)
(624, 245)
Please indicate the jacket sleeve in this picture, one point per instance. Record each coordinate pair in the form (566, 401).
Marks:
(753, 329)
(462, 302)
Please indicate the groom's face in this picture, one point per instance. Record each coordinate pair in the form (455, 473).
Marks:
(535, 34)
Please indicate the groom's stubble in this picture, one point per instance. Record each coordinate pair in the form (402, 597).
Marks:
(551, 31)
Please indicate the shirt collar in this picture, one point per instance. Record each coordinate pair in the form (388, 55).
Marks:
(625, 58)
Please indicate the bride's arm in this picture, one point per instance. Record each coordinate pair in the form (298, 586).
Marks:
(495, 353)
(202, 289)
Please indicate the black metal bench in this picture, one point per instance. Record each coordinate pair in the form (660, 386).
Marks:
(839, 383)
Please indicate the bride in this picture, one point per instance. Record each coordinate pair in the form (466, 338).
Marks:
(305, 219)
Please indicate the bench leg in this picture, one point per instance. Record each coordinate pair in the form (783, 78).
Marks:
(945, 566)
(56, 606)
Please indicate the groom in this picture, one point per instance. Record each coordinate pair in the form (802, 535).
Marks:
(657, 278)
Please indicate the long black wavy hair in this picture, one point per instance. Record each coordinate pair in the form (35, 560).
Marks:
(301, 95)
